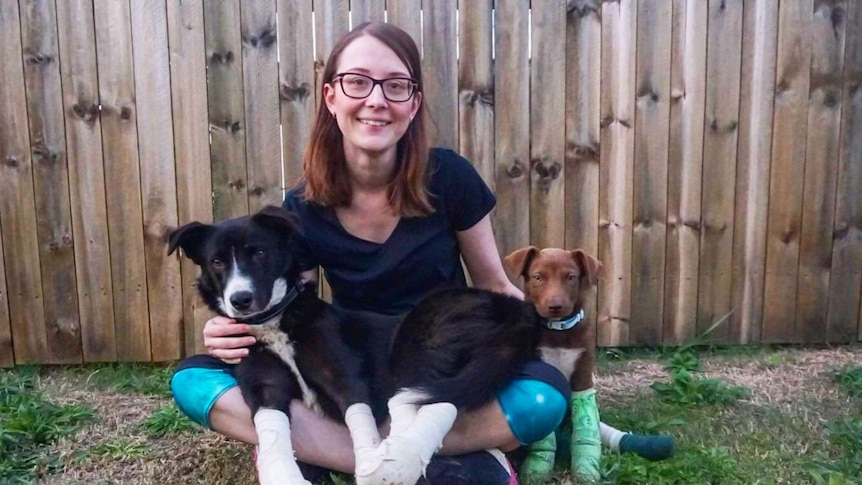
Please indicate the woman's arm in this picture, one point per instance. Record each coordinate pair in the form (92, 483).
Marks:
(479, 250)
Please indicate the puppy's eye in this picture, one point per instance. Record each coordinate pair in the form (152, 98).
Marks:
(259, 255)
(573, 277)
(217, 263)
(537, 278)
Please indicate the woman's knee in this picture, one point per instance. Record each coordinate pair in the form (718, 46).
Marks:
(533, 408)
(197, 384)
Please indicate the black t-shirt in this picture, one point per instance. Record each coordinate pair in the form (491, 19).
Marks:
(421, 255)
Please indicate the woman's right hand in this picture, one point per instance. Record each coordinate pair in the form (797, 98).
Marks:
(227, 340)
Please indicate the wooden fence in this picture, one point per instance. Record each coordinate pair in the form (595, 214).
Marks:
(709, 152)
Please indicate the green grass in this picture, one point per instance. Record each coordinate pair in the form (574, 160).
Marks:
(723, 436)
(169, 420)
(28, 424)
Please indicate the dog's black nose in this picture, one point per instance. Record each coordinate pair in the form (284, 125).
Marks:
(242, 300)
(555, 309)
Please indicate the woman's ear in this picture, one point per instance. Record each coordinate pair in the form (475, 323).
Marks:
(417, 102)
(329, 97)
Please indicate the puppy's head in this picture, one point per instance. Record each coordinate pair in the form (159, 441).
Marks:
(556, 281)
(246, 263)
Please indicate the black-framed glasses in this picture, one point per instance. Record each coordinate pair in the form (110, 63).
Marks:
(359, 86)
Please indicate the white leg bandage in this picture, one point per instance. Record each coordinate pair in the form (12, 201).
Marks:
(402, 410)
(610, 436)
(363, 431)
(404, 456)
(275, 461)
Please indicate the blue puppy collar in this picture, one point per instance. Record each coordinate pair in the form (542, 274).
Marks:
(565, 324)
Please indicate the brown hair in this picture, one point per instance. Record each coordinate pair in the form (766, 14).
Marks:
(324, 167)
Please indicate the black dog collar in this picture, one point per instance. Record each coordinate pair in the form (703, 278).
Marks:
(565, 324)
(274, 311)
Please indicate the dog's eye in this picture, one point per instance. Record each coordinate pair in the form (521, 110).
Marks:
(217, 263)
(259, 255)
(573, 277)
(537, 278)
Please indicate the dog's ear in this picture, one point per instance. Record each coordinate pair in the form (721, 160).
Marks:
(190, 238)
(519, 260)
(589, 265)
(277, 219)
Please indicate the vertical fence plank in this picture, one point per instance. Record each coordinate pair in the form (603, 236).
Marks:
(844, 319)
(440, 70)
(583, 94)
(367, 11)
(123, 178)
(17, 204)
(547, 123)
(7, 352)
(226, 106)
(760, 29)
(77, 40)
(405, 14)
(296, 84)
(685, 166)
(331, 19)
(476, 88)
(512, 125)
(788, 165)
(724, 53)
(260, 78)
(649, 208)
(51, 180)
(821, 168)
(191, 149)
(619, 34)
(158, 175)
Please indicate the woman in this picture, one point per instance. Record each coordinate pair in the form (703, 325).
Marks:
(388, 220)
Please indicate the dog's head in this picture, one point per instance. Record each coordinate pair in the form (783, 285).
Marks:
(556, 281)
(246, 263)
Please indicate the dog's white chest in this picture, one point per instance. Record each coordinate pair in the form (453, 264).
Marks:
(279, 343)
(563, 359)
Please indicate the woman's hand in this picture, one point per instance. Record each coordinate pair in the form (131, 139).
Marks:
(226, 340)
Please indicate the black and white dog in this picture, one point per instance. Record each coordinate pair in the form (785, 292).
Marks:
(452, 353)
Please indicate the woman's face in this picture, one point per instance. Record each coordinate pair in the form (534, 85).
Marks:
(371, 126)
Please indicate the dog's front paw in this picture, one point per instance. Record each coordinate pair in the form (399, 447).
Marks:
(394, 462)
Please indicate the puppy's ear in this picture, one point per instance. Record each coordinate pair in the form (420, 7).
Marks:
(589, 265)
(519, 260)
(191, 239)
(277, 219)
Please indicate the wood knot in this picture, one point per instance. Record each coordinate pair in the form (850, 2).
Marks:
(67, 239)
(85, 111)
(125, 113)
(515, 170)
(547, 171)
(237, 184)
(39, 59)
(11, 161)
(257, 191)
(294, 93)
(221, 57)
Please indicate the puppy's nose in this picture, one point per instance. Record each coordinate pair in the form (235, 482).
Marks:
(241, 300)
(554, 309)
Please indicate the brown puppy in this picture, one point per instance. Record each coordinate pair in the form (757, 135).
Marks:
(556, 282)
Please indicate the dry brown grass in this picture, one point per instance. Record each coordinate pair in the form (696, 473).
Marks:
(795, 380)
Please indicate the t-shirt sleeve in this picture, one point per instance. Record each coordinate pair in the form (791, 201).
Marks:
(461, 191)
(294, 203)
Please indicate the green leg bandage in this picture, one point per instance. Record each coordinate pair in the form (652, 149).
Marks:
(586, 439)
(539, 462)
